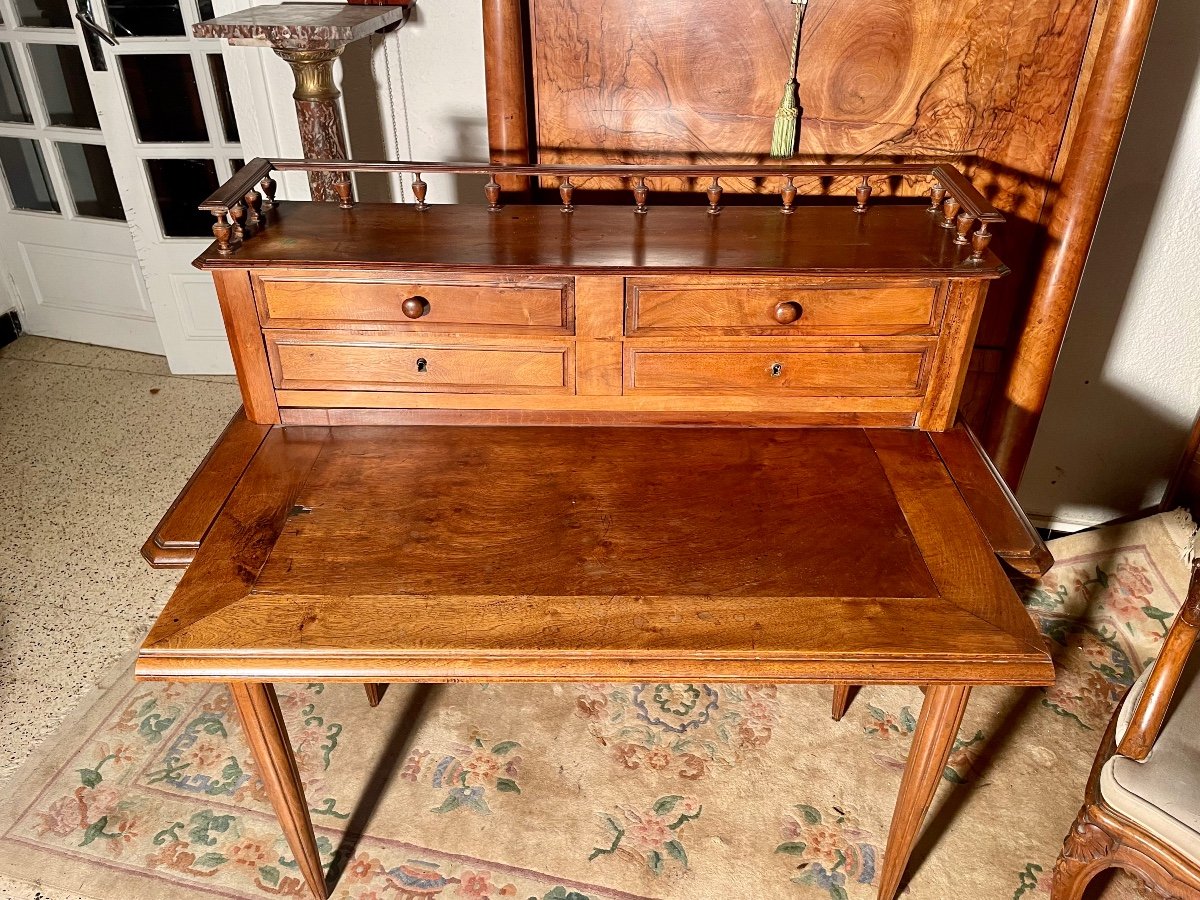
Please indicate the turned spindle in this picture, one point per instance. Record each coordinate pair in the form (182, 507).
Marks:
(963, 223)
(979, 242)
(420, 189)
(237, 212)
(566, 191)
(788, 197)
(714, 196)
(950, 208)
(222, 231)
(344, 190)
(253, 201)
(491, 190)
(268, 186)
(640, 193)
(936, 195)
(862, 194)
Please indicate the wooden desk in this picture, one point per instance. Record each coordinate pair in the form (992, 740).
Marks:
(432, 552)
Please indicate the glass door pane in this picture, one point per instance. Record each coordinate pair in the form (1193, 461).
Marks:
(64, 84)
(13, 106)
(90, 177)
(164, 97)
(145, 18)
(43, 13)
(25, 171)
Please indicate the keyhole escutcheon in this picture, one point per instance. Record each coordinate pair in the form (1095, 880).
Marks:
(776, 369)
(422, 364)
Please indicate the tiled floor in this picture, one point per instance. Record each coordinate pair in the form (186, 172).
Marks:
(94, 445)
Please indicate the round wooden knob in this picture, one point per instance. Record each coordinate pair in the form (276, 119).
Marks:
(787, 312)
(415, 307)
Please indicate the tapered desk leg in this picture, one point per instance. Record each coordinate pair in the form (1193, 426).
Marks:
(263, 723)
(842, 695)
(374, 692)
(941, 714)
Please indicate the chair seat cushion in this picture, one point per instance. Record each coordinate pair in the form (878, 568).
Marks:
(1162, 794)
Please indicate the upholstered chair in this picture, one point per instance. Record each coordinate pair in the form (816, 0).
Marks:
(1141, 812)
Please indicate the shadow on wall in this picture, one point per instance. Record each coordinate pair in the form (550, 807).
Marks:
(1102, 451)
(378, 132)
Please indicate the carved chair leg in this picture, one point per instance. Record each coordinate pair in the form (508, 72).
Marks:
(941, 714)
(263, 724)
(842, 695)
(1085, 854)
(374, 692)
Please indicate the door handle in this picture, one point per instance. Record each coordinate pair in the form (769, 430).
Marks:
(93, 28)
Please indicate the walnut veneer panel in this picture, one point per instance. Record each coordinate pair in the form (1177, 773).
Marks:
(596, 553)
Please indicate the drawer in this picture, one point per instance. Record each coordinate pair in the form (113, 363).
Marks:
(658, 306)
(321, 361)
(497, 304)
(828, 371)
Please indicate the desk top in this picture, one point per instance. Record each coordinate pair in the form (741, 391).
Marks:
(443, 553)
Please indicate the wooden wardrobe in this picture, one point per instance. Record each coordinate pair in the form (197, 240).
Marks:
(1028, 96)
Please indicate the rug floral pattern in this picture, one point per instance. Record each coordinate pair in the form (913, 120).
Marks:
(598, 791)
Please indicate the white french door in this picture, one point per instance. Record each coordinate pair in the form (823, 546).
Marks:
(174, 140)
(64, 239)
(114, 124)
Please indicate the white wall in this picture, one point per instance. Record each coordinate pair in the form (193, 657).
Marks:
(1127, 385)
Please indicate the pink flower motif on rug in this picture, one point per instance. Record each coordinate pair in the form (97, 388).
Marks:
(892, 735)
(650, 837)
(685, 729)
(469, 774)
(1105, 616)
(828, 849)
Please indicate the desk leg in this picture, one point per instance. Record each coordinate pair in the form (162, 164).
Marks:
(842, 695)
(941, 714)
(374, 692)
(263, 723)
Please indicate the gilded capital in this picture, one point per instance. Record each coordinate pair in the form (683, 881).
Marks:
(313, 70)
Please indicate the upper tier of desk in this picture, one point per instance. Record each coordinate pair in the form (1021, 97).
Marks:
(900, 239)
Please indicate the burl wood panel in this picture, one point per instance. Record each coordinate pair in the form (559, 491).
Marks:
(986, 83)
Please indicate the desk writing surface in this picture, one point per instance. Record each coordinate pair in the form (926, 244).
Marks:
(427, 553)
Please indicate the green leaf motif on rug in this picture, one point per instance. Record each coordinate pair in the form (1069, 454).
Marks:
(1027, 880)
(651, 837)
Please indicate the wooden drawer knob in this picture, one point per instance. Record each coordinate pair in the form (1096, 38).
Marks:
(415, 307)
(787, 312)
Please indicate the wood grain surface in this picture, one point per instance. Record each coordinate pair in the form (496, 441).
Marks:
(491, 553)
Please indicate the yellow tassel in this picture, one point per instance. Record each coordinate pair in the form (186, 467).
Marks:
(783, 139)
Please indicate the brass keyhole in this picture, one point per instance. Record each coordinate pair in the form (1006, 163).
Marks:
(422, 364)
(776, 369)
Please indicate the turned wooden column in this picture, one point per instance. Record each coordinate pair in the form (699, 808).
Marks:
(322, 132)
(309, 37)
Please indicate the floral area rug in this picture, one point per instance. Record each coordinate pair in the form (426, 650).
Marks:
(603, 791)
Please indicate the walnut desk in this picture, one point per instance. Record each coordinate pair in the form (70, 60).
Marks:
(764, 481)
